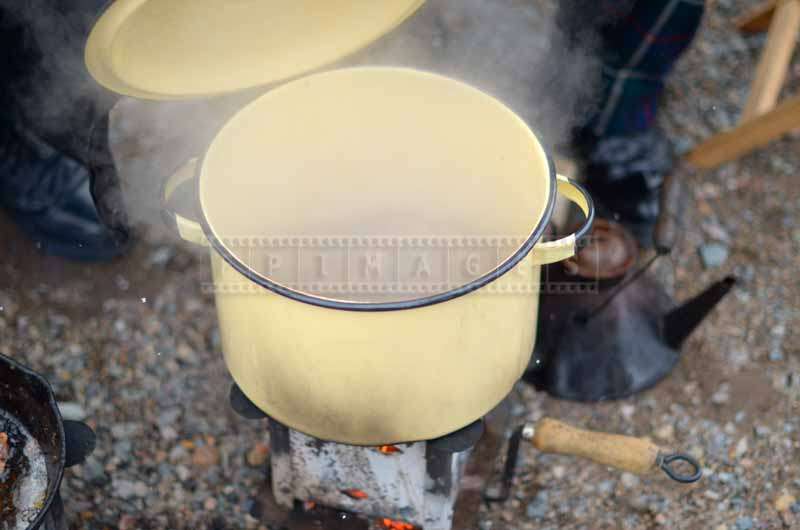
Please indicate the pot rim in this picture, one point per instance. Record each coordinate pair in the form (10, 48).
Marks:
(53, 483)
(331, 303)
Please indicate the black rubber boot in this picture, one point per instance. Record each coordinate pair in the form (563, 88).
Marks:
(49, 196)
(624, 175)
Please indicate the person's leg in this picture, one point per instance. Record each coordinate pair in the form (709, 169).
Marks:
(639, 51)
(50, 110)
(638, 43)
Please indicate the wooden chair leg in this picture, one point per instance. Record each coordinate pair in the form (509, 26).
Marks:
(757, 19)
(775, 60)
(748, 136)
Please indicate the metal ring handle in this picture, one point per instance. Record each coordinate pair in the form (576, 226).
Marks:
(566, 247)
(665, 461)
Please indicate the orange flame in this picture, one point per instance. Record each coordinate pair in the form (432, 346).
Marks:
(389, 449)
(356, 494)
(309, 505)
(397, 525)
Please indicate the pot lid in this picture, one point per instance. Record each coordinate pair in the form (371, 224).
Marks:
(176, 49)
(375, 185)
(611, 251)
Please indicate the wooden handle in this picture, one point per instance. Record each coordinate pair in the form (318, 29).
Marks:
(636, 455)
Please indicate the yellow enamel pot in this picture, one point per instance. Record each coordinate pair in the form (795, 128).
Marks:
(375, 240)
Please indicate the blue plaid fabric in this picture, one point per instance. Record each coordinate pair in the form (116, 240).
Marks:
(641, 40)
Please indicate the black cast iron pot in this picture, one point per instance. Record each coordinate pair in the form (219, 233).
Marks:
(27, 398)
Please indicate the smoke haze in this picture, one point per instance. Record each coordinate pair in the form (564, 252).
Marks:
(513, 49)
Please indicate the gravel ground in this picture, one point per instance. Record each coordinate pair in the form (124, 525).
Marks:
(133, 348)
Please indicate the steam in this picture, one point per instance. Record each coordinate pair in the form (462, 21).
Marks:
(513, 49)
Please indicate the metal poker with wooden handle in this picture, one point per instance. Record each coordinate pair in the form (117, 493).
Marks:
(628, 453)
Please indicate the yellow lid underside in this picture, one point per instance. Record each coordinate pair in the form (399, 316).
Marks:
(171, 49)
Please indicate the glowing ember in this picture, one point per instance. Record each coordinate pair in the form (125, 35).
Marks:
(389, 449)
(309, 505)
(356, 494)
(397, 525)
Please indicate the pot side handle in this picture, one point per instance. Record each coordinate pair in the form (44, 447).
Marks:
(566, 247)
(186, 228)
(636, 455)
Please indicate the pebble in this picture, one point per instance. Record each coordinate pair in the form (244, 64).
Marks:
(559, 472)
(761, 431)
(94, 473)
(205, 457)
(72, 411)
(784, 502)
(741, 448)
(258, 455)
(714, 255)
(665, 432)
(129, 489)
(210, 504)
(605, 486)
(125, 430)
(627, 411)
(722, 395)
(538, 508)
(744, 523)
(629, 480)
(776, 355)
(716, 231)
(485, 524)
(128, 522)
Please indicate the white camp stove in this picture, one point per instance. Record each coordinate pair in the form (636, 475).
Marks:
(414, 484)
(409, 486)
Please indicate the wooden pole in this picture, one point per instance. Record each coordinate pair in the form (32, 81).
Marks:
(775, 59)
(748, 136)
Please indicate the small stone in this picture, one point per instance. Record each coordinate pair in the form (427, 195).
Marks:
(665, 432)
(93, 472)
(72, 411)
(761, 431)
(716, 231)
(485, 525)
(776, 355)
(605, 486)
(169, 416)
(784, 502)
(713, 255)
(160, 257)
(538, 508)
(205, 457)
(629, 480)
(183, 473)
(627, 411)
(744, 523)
(178, 453)
(559, 472)
(123, 450)
(210, 504)
(711, 494)
(125, 430)
(661, 519)
(741, 448)
(721, 527)
(127, 489)
(257, 456)
(127, 522)
(722, 395)
(795, 508)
